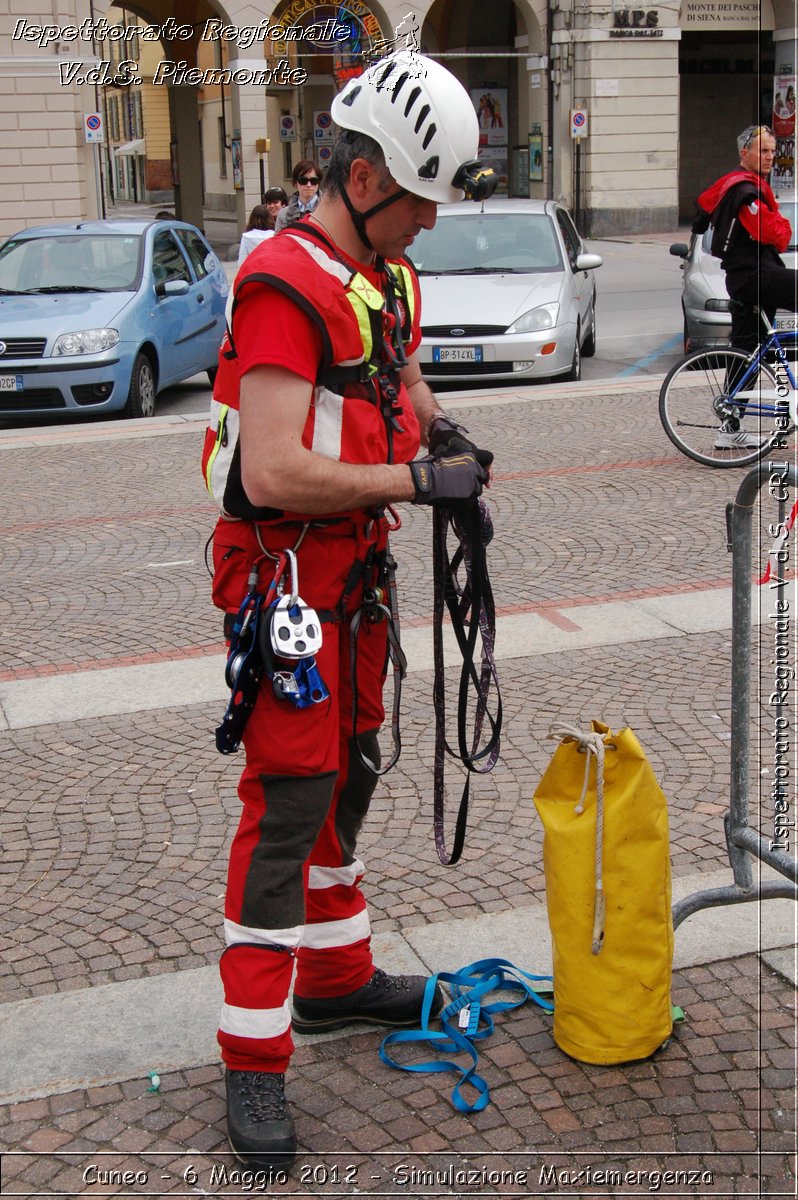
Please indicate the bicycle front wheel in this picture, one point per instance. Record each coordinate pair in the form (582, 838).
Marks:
(719, 416)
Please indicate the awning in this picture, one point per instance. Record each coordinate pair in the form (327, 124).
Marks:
(136, 147)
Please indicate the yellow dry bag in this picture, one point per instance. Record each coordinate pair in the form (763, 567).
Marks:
(608, 894)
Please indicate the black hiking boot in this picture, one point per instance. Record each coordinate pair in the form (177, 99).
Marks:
(393, 1000)
(259, 1123)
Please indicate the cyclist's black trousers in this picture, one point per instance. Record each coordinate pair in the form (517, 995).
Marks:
(771, 288)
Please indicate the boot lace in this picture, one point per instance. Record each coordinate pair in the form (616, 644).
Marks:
(381, 981)
(263, 1096)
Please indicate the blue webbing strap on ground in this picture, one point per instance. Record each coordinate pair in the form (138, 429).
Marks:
(468, 988)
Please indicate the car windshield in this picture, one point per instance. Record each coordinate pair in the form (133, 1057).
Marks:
(487, 243)
(70, 263)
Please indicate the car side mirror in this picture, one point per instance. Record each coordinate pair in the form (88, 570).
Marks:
(680, 250)
(588, 262)
(171, 287)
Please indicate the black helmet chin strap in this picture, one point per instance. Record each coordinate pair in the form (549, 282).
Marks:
(359, 218)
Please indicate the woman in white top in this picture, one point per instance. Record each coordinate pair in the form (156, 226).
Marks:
(261, 221)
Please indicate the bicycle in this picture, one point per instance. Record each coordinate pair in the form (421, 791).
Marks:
(726, 408)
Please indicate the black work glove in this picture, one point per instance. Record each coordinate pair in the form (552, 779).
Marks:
(446, 437)
(447, 478)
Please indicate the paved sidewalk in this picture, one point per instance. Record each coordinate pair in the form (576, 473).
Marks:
(612, 581)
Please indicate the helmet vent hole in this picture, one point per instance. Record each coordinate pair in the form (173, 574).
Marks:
(388, 71)
(411, 99)
(422, 116)
(353, 95)
(429, 135)
(400, 83)
(430, 168)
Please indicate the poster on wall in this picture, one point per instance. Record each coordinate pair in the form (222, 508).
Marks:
(783, 125)
(491, 110)
(536, 157)
(238, 172)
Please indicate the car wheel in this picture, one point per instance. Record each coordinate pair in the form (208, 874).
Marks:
(212, 375)
(141, 397)
(589, 346)
(575, 372)
(686, 338)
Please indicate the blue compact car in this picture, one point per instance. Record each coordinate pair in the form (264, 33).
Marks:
(100, 316)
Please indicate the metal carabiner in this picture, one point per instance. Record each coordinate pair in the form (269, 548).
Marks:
(289, 558)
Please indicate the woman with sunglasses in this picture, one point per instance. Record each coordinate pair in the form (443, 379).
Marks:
(306, 177)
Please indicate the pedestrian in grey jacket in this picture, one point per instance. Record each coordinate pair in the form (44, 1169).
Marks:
(306, 177)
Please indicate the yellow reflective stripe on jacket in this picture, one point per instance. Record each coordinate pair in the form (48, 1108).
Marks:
(217, 465)
(368, 302)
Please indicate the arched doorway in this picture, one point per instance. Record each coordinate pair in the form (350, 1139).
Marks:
(490, 49)
(727, 63)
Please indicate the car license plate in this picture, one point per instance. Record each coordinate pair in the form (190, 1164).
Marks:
(444, 354)
(786, 323)
(11, 383)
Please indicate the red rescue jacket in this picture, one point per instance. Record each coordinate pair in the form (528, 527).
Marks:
(748, 228)
(360, 412)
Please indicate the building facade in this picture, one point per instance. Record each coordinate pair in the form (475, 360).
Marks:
(625, 113)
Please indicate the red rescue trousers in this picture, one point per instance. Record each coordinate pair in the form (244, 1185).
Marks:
(293, 884)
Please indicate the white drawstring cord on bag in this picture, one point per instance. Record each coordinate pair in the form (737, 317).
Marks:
(591, 744)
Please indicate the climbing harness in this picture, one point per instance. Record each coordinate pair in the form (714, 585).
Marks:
(363, 331)
(468, 1019)
(473, 615)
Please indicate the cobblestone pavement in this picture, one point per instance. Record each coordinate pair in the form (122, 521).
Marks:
(716, 1106)
(115, 829)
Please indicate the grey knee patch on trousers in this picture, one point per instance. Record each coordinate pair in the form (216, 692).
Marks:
(296, 809)
(355, 795)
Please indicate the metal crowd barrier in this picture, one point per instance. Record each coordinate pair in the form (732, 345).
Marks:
(743, 842)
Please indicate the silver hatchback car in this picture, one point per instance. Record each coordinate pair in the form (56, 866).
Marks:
(507, 290)
(705, 301)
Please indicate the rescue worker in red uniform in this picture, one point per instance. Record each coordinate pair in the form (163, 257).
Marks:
(319, 408)
(749, 236)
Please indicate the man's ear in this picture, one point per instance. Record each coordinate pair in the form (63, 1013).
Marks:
(361, 174)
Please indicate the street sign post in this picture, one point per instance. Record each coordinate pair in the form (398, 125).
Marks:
(579, 123)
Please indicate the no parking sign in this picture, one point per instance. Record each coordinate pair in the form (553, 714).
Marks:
(323, 130)
(287, 128)
(93, 127)
(578, 122)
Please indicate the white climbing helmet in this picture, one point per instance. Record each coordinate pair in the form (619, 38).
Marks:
(422, 118)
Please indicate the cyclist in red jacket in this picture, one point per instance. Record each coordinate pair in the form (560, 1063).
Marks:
(749, 235)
